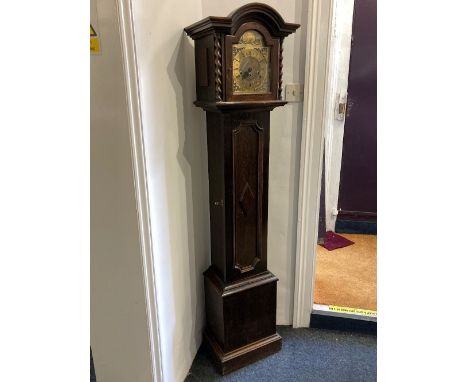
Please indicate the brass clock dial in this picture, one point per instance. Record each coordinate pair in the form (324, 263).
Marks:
(251, 72)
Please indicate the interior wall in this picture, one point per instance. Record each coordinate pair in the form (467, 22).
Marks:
(177, 172)
(285, 147)
(119, 327)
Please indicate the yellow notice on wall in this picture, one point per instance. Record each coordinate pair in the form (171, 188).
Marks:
(361, 312)
(94, 40)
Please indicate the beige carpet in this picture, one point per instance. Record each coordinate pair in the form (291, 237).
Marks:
(348, 276)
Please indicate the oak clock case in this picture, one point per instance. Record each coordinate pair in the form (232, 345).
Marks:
(238, 64)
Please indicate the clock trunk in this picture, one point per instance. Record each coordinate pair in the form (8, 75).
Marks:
(238, 154)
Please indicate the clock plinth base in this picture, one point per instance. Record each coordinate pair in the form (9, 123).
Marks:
(241, 319)
(236, 359)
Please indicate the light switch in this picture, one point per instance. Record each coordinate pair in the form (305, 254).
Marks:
(294, 93)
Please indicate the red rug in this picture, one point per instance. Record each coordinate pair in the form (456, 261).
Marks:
(335, 241)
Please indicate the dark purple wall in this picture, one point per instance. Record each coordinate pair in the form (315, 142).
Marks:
(358, 184)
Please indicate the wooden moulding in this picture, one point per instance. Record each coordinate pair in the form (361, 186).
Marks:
(231, 361)
(249, 12)
(241, 319)
(240, 285)
(240, 106)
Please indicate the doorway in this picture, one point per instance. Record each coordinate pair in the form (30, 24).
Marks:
(346, 257)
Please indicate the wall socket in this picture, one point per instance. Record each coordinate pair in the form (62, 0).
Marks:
(294, 93)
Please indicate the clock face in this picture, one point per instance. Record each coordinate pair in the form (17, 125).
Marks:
(251, 72)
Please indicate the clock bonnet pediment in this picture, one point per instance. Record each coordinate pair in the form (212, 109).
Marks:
(250, 12)
(264, 14)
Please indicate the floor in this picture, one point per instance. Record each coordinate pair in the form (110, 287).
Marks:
(348, 276)
(317, 355)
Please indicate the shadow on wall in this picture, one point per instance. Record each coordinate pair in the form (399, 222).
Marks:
(193, 161)
(92, 372)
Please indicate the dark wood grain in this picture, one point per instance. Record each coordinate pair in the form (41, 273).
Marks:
(204, 68)
(238, 160)
(247, 162)
(241, 318)
(231, 361)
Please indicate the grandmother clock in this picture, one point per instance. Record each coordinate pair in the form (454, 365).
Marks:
(238, 61)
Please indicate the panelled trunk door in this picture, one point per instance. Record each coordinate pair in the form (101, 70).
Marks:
(249, 139)
(247, 160)
(238, 150)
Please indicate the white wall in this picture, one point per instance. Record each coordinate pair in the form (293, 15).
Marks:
(285, 147)
(119, 328)
(177, 172)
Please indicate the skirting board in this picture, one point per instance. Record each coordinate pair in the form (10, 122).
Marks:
(353, 227)
(345, 312)
(324, 318)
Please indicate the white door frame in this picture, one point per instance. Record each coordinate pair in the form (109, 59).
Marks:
(140, 181)
(319, 102)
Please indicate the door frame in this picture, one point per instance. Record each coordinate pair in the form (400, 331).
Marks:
(127, 36)
(321, 74)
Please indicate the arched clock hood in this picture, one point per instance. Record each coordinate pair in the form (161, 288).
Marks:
(214, 40)
(249, 12)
